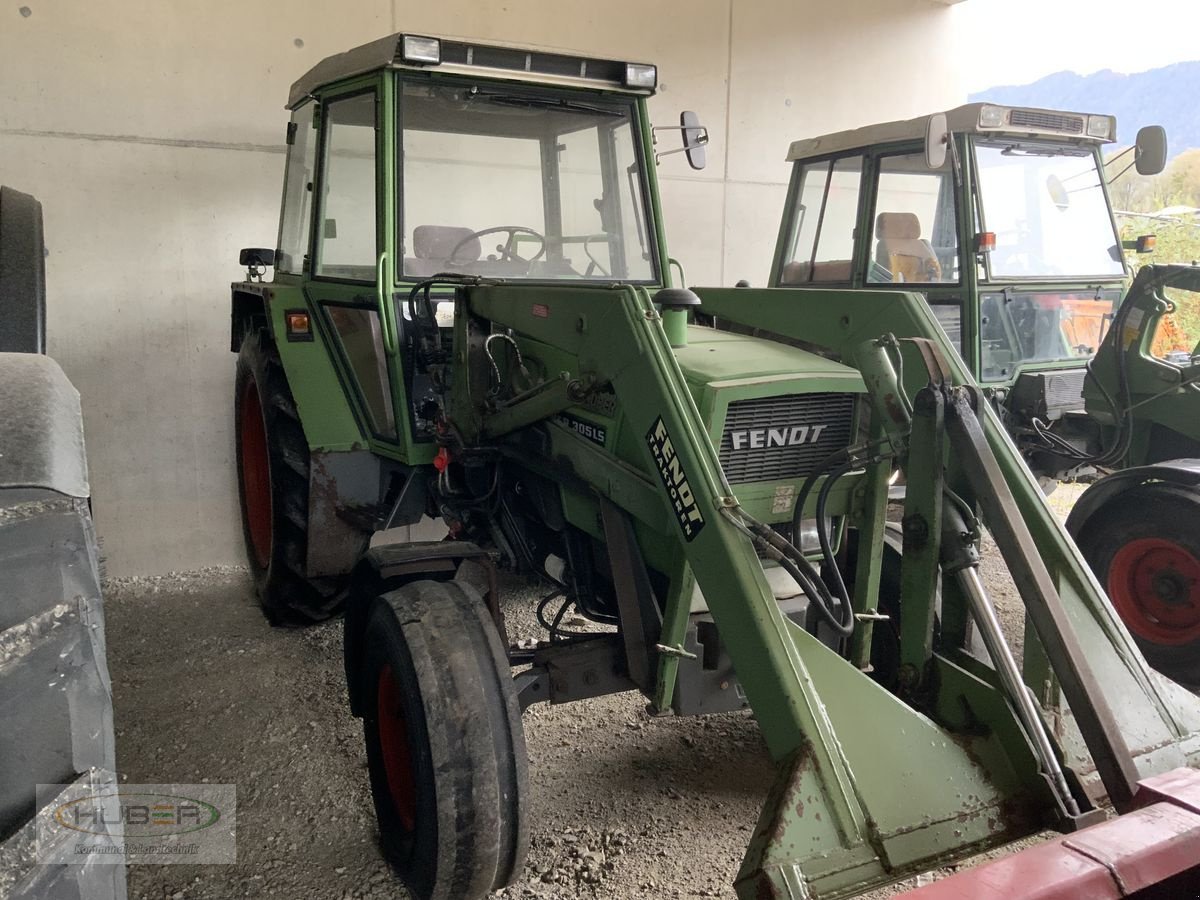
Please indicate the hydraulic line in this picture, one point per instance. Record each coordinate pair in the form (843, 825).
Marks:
(1010, 678)
(778, 549)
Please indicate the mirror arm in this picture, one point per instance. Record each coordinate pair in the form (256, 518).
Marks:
(661, 153)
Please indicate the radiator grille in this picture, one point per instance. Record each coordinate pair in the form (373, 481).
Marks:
(770, 438)
(1046, 121)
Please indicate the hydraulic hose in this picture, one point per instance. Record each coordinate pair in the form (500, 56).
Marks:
(780, 550)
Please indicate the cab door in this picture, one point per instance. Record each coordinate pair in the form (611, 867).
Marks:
(913, 236)
(350, 270)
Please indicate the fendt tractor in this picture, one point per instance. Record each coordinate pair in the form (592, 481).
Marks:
(472, 317)
(1000, 218)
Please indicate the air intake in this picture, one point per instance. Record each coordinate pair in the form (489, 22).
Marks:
(1046, 121)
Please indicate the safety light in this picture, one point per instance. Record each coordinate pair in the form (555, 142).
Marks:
(1146, 242)
(985, 242)
(1100, 127)
(641, 75)
(299, 326)
(420, 50)
(991, 116)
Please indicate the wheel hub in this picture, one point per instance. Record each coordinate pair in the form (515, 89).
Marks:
(394, 748)
(1155, 585)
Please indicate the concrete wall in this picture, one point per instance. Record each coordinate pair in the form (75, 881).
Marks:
(152, 133)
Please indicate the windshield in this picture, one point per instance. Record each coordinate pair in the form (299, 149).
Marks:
(514, 184)
(1046, 206)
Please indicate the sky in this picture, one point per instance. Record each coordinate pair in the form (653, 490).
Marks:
(1019, 41)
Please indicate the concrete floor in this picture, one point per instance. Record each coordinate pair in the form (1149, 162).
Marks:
(204, 689)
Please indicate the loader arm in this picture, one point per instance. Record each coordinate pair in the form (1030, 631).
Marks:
(840, 818)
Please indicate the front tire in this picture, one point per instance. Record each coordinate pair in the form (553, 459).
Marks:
(1144, 548)
(445, 745)
(272, 464)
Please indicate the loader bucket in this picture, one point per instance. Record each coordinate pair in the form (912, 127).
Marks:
(1152, 852)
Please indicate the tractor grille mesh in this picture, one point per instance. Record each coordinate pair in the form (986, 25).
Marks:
(1046, 121)
(768, 422)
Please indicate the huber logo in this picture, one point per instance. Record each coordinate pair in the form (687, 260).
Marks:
(675, 480)
(760, 438)
(136, 815)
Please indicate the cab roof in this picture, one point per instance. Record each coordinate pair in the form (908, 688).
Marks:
(1013, 121)
(465, 56)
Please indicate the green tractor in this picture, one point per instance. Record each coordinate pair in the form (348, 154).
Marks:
(1000, 218)
(471, 317)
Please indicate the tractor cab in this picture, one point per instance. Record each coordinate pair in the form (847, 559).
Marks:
(998, 216)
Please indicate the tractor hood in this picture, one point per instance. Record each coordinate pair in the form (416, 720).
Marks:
(721, 359)
(772, 411)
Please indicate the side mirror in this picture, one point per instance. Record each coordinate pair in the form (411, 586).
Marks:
(695, 137)
(937, 141)
(1150, 150)
(1058, 192)
(256, 256)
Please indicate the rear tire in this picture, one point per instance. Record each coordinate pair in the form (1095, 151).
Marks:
(1144, 547)
(22, 274)
(272, 464)
(445, 745)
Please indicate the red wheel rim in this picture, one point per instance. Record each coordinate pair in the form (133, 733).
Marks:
(256, 474)
(1155, 586)
(393, 746)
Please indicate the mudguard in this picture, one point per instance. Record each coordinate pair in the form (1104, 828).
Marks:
(1184, 472)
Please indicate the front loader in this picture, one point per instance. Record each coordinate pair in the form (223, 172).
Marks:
(702, 476)
(1001, 219)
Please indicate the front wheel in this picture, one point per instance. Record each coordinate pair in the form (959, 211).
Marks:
(1144, 548)
(445, 746)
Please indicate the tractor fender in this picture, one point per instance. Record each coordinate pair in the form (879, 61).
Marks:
(22, 274)
(1183, 472)
(41, 443)
(247, 309)
(387, 567)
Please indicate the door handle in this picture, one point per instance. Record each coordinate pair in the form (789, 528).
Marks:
(387, 317)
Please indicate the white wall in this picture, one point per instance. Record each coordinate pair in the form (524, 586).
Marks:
(152, 134)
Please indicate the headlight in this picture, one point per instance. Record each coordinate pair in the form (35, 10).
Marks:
(991, 116)
(423, 50)
(1100, 127)
(640, 75)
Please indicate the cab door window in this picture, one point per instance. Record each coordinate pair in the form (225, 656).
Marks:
(347, 241)
(915, 229)
(821, 244)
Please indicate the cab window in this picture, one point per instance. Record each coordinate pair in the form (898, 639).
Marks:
(347, 243)
(915, 237)
(296, 218)
(821, 243)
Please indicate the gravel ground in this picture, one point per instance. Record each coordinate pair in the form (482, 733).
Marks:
(205, 690)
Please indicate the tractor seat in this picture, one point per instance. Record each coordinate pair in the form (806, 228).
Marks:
(902, 252)
(432, 246)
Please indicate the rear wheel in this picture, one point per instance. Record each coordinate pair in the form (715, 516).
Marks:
(1144, 547)
(272, 463)
(445, 746)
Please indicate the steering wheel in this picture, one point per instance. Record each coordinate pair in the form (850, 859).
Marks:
(507, 250)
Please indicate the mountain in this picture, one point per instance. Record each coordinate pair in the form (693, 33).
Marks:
(1164, 96)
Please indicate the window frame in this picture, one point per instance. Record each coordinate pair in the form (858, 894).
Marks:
(311, 104)
(650, 232)
(877, 161)
(789, 235)
(349, 92)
